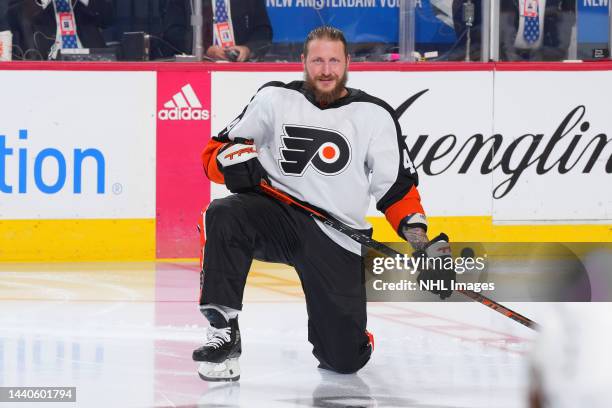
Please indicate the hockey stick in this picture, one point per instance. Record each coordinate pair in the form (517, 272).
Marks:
(363, 239)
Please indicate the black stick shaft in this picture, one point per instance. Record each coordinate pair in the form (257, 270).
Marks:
(386, 250)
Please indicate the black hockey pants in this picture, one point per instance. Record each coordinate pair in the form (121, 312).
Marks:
(248, 226)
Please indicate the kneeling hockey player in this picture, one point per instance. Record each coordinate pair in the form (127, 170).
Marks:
(330, 146)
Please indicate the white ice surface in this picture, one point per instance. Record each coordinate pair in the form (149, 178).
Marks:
(123, 335)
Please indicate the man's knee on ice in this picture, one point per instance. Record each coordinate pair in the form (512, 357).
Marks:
(346, 364)
(346, 358)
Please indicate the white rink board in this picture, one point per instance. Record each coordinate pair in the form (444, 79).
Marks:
(552, 96)
(112, 112)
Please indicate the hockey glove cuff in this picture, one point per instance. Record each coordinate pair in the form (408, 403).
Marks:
(240, 166)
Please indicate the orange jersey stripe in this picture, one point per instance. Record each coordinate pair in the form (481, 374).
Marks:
(209, 161)
(409, 204)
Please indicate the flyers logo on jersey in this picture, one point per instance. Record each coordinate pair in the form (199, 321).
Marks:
(326, 150)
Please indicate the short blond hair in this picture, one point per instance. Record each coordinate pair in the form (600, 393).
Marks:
(325, 33)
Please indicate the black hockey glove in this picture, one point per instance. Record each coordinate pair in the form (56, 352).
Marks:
(240, 167)
(436, 266)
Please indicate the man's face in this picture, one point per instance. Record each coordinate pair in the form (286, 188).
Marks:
(325, 69)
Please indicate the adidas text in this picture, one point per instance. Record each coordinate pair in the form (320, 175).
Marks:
(183, 114)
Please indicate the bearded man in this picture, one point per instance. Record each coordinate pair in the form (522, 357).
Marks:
(332, 147)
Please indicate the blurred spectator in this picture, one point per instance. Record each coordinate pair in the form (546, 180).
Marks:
(250, 22)
(4, 24)
(539, 30)
(34, 24)
(6, 40)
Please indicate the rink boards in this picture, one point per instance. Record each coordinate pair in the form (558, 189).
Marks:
(102, 161)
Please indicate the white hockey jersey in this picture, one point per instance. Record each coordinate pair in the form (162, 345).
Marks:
(334, 157)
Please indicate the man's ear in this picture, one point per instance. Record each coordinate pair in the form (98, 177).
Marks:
(302, 58)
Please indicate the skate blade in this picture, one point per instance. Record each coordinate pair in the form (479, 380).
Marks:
(229, 370)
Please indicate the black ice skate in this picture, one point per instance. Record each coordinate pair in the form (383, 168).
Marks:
(218, 357)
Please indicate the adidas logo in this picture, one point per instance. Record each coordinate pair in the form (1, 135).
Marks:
(184, 105)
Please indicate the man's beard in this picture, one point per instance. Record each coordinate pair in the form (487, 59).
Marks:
(326, 98)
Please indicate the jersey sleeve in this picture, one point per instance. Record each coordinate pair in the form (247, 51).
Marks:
(209, 161)
(394, 179)
(254, 124)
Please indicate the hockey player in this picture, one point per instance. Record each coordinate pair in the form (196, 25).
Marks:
(332, 147)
